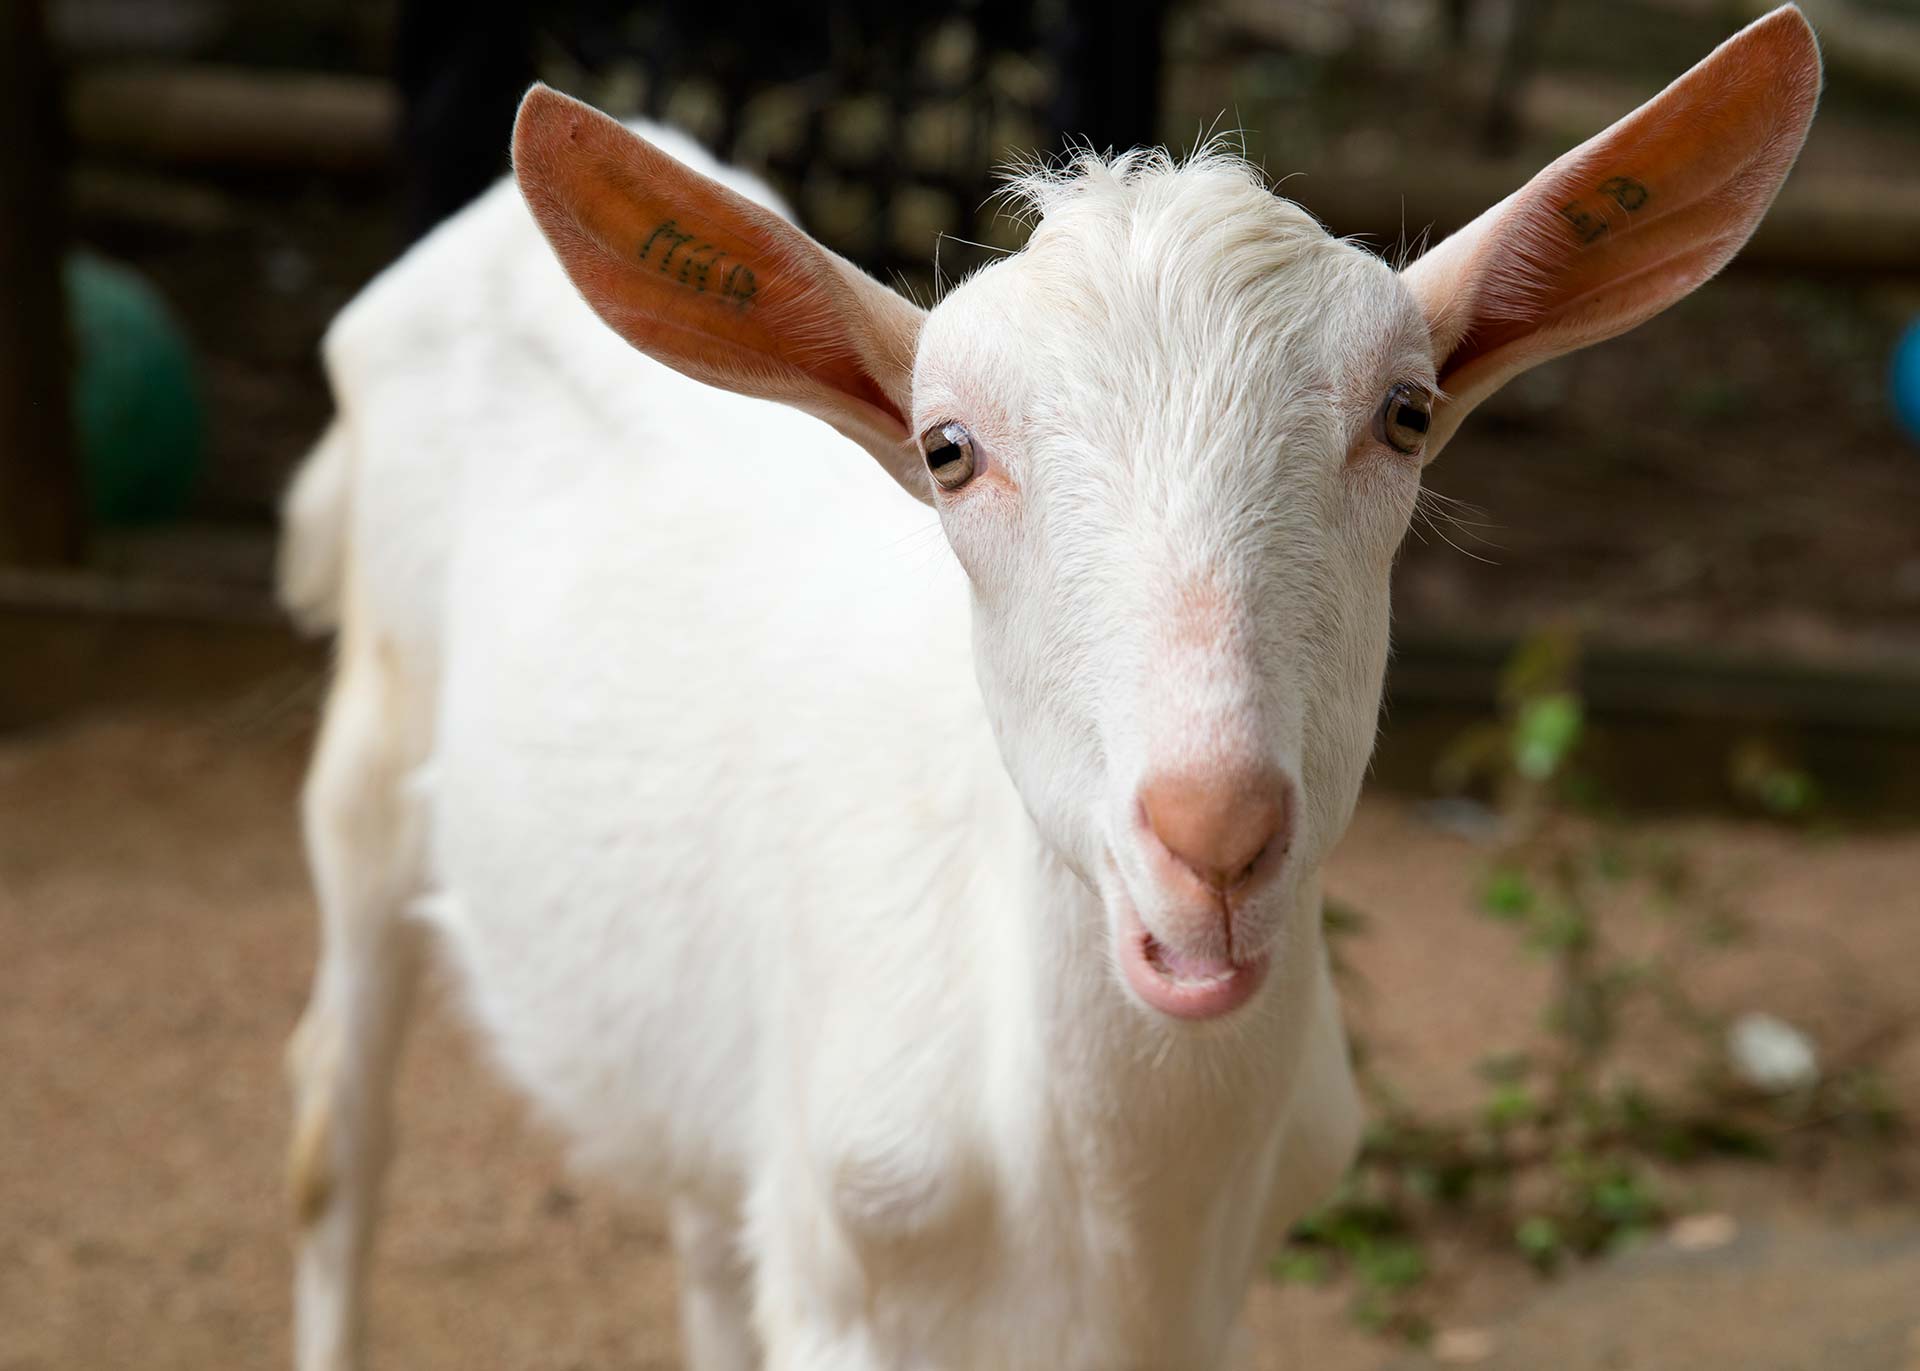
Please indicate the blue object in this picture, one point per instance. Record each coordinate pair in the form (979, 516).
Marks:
(1905, 380)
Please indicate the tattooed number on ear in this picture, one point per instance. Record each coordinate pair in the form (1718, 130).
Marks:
(1589, 219)
(699, 264)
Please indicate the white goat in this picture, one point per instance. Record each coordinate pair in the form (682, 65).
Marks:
(936, 936)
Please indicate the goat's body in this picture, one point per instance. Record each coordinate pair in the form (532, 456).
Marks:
(928, 919)
(758, 939)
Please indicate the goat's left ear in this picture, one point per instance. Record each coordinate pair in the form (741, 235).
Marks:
(1625, 224)
(715, 285)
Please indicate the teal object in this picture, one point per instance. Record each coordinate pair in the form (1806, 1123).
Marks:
(136, 402)
(1906, 380)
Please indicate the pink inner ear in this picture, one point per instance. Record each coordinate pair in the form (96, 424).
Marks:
(709, 282)
(1630, 221)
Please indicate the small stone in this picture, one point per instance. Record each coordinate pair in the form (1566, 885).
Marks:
(1462, 1346)
(1703, 1232)
(1464, 818)
(1772, 1055)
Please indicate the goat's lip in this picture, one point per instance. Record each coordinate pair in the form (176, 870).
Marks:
(1192, 988)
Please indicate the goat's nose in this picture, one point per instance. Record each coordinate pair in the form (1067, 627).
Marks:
(1218, 824)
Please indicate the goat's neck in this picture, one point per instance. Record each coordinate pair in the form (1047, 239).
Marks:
(1151, 1147)
(1126, 1091)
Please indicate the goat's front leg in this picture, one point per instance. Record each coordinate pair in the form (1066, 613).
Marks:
(810, 1345)
(716, 1290)
(810, 1305)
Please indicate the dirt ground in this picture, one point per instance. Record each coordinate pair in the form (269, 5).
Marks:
(155, 938)
(1729, 477)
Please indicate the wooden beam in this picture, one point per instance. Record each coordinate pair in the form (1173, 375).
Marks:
(40, 508)
(229, 117)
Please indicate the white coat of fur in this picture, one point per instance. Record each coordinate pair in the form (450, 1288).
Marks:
(681, 698)
(776, 824)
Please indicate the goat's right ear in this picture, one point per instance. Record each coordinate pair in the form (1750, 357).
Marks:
(715, 286)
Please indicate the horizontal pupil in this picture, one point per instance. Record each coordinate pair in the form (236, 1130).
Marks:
(942, 455)
(1409, 417)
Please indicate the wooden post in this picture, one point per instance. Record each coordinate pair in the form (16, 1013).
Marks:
(40, 512)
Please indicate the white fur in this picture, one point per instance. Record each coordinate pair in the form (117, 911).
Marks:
(787, 834)
(784, 831)
(775, 862)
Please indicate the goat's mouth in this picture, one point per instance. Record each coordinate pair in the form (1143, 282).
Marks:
(1183, 985)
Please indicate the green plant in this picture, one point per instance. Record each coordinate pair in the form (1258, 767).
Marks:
(1562, 1157)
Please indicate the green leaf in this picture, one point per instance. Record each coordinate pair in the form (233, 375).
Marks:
(1539, 1240)
(1787, 793)
(1508, 894)
(1558, 928)
(1503, 1068)
(1625, 1200)
(1508, 1105)
(1392, 1265)
(1545, 733)
(1301, 1268)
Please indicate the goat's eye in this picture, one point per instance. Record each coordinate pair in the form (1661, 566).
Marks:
(1405, 417)
(949, 449)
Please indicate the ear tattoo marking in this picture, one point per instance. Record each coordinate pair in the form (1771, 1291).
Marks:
(737, 284)
(1625, 192)
(670, 231)
(1589, 221)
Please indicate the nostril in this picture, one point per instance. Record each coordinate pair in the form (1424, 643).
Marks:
(1231, 878)
(1218, 824)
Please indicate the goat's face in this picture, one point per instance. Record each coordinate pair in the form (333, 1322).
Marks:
(1174, 443)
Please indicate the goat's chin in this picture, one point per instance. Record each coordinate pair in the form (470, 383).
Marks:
(1196, 988)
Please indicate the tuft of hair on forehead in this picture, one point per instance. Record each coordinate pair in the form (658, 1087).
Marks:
(1201, 232)
(1037, 185)
(1193, 267)
(1142, 185)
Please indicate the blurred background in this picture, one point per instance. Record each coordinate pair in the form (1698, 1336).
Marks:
(1630, 915)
